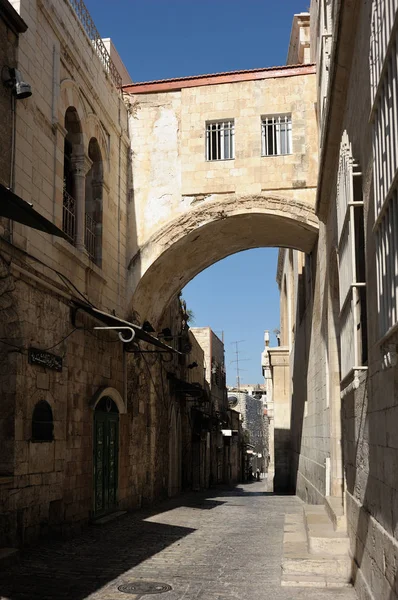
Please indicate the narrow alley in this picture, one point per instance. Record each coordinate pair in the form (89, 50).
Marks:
(207, 546)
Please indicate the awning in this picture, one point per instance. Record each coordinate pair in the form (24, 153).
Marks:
(194, 390)
(13, 207)
(113, 321)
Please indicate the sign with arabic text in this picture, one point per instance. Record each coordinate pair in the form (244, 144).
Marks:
(45, 359)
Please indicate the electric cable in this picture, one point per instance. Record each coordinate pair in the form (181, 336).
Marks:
(63, 277)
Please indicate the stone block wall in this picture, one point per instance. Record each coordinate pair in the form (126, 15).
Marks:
(49, 487)
(174, 123)
(10, 28)
(352, 422)
(57, 59)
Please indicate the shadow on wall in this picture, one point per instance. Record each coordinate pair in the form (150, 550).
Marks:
(300, 369)
(282, 453)
(371, 457)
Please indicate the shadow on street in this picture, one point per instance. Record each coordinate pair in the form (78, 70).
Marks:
(75, 568)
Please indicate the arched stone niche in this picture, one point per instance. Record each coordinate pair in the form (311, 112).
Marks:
(110, 392)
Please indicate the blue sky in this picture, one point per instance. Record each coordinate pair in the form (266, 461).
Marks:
(159, 39)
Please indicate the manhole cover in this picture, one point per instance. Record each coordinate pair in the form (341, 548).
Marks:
(144, 587)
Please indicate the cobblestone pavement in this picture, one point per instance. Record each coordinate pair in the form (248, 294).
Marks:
(219, 545)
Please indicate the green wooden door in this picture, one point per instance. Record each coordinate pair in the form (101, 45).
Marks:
(106, 436)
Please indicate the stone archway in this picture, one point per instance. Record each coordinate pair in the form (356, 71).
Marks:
(208, 233)
(109, 392)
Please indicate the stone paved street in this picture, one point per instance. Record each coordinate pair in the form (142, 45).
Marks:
(225, 544)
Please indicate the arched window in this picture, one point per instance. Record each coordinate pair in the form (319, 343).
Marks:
(72, 150)
(42, 422)
(93, 206)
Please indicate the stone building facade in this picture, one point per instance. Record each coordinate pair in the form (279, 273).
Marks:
(201, 204)
(89, 424)
(338, 303)
(251, 411)
(222, 459)
(56, 369)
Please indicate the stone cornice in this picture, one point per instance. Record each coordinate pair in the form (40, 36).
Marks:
(169, 85)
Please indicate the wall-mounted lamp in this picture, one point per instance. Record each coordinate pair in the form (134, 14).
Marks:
(166, 334)
(147, 327)
(193, 365)
(12, 78)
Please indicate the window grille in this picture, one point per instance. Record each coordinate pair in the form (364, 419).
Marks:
(384, 82)
(42, 422)
(387, 265)
(90, 236)
(382, 25)
(352, 285)
(276, 135)
(69, 216)
(220, 140)
(385, 131)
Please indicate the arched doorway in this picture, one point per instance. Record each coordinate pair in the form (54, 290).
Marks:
(106, 454)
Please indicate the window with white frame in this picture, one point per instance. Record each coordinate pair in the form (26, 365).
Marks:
(352, 278)
(276, 135)
(220, 140)
(384, 84)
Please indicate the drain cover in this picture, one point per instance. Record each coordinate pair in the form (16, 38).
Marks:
(144, 587)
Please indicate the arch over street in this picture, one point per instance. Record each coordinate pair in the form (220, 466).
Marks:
(211, 231)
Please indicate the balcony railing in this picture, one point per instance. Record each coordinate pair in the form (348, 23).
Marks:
(89, 27)
(90, 236)
(69, 217)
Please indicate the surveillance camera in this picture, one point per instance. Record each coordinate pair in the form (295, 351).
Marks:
(21, 89)
(12, 78)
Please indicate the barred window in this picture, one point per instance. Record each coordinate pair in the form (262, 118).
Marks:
(351, 242)
(220, 140)
(384, 82)
(276, 135)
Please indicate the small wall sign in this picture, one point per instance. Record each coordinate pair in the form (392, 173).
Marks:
(45, 359)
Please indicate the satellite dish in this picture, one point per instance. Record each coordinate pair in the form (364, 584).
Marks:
(233, 401)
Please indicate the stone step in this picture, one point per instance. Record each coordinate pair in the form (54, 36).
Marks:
(322, 537)
(301, 568)
(315, 581)
(111, 517)
(335, 510)
(319, 565)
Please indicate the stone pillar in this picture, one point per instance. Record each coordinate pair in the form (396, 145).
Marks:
(279, 361)
(81, 166)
